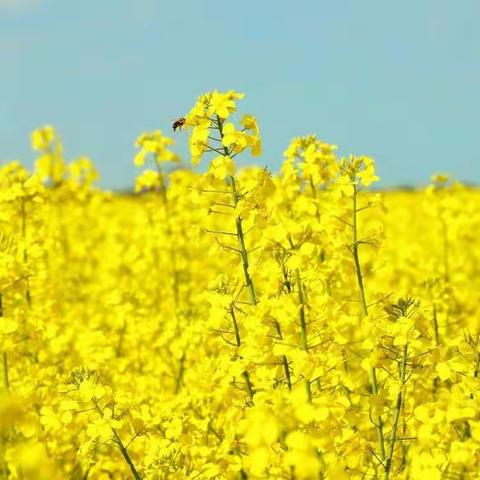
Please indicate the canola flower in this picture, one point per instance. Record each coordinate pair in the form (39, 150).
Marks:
(236, 323)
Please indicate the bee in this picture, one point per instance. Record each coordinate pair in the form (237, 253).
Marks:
(179, 123)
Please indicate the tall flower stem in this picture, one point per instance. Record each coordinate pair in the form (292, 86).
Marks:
(398, 409)
(356, 258)
(302, 318)
(303, 327)
(244, 255)
(239, 227)
(241, 244)
(6, 381)
(120, 444)
(314, 194)
(364, 312)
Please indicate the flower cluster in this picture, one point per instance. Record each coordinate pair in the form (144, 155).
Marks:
(236, 323)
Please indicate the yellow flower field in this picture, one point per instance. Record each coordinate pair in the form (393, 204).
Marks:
(237, 323)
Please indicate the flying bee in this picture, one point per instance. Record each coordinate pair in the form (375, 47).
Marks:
(179, 123)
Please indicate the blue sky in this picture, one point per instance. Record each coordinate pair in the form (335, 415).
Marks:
(399, 81)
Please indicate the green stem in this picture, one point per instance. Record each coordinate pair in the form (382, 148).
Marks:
(238, 222)
(317, 212)
(356, 259)
(181, 371)
(121, 446)
(477, 365)
(286, 369)
(6, 381)
(314, 193)
(238, 341)
(378, 420)
(243, 250)
(125, 455)
(244, 254)
(303, 323)
(364, 312)
(248, 382)
(236, 331)
(303, 328)
(398, 409)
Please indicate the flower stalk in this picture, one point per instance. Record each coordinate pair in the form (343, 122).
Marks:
(120, 444)
(378, 421)
(398, 408)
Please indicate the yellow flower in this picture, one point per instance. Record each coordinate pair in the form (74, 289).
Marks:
(148, 180)
(157, 145)
(198, 143)
(89, 390)
(100, 430)
(367, 175)
(42, 138)
(443, 371)
(223, 104)
(250, 123)
(234, 137)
